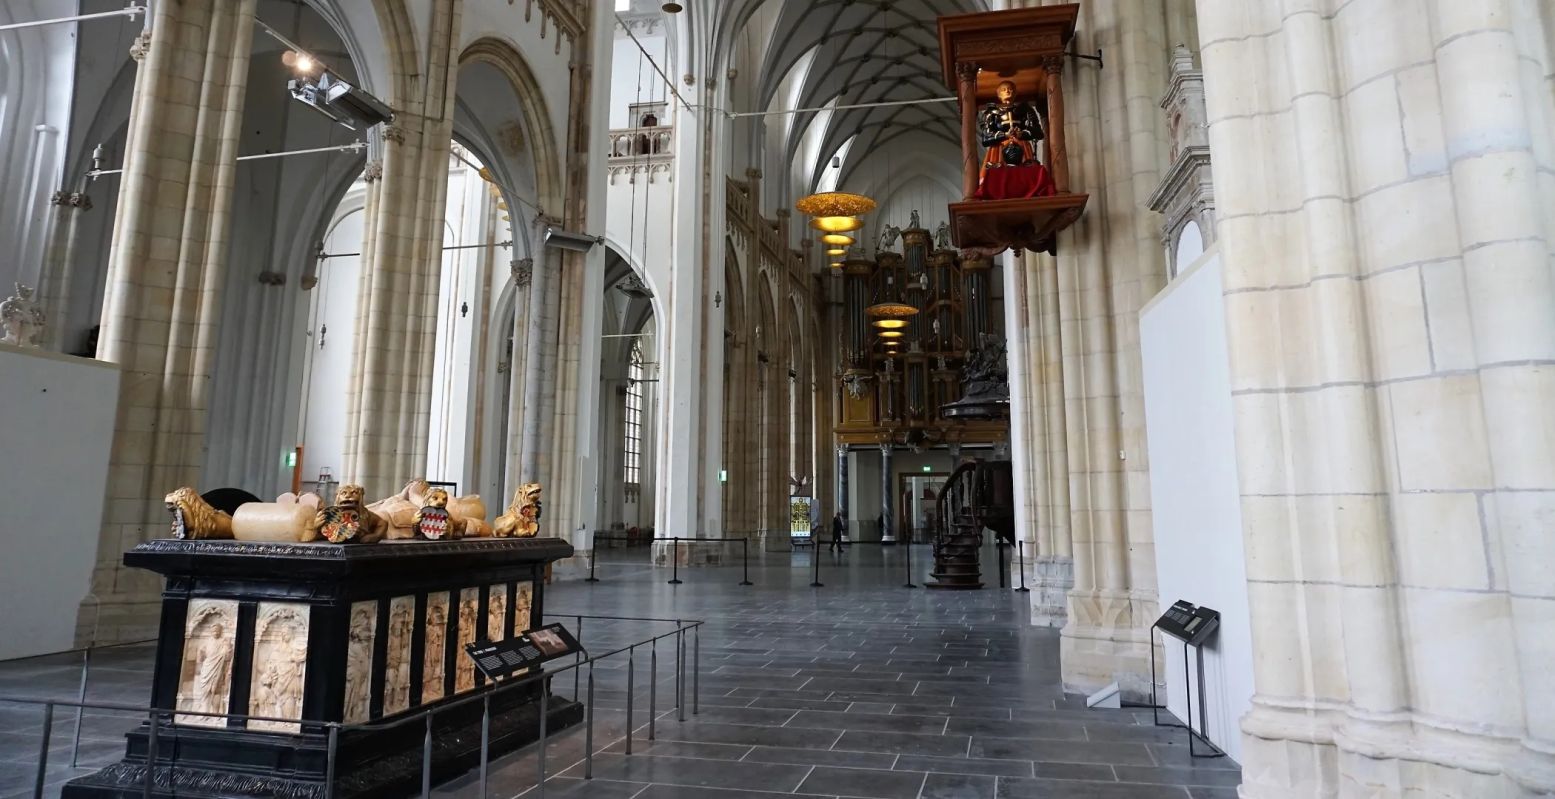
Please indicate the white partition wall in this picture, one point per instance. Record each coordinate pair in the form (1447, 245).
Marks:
(56, 432)
(1193, 491)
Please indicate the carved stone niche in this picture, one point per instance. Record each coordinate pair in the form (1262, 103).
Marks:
(1186, 195)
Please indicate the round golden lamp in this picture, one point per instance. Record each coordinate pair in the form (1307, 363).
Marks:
(890, 334)
(838, 239)
(836, 224)
(889, 310)
(836, 264)
(834, 203)
(836, 251)
(890, 324)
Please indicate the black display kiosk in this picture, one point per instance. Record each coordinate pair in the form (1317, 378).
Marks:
(1194, 626)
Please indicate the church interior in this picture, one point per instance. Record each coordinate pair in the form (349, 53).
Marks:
(726, 399)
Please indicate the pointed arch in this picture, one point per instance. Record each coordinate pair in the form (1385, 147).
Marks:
(538, 134)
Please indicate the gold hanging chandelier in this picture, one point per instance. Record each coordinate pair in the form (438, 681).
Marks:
(839, 239)
(889, 323)
(834, 203)
(836, 224)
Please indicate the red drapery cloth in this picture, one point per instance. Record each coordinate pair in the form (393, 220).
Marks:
(1016, 182)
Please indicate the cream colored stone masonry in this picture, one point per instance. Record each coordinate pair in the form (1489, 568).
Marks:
(1385, 174)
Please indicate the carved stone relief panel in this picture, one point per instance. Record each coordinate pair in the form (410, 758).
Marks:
(205, 682)
(280, 665)
(359, 661)
(396, 659)
(433, 671)
(496, 612)
(469, 614)
(521, 608)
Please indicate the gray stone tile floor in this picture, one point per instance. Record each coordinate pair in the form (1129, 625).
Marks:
(861, 688)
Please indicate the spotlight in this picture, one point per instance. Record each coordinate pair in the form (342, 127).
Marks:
(338, 100)
(566, 240)
(304, 63)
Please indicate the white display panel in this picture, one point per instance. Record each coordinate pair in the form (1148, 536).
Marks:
(1195, 501)
(56, 433)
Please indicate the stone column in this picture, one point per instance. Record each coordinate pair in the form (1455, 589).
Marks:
(842, 482)
(887, 502)
(1385, 210)
(165, 271)
(390, 406)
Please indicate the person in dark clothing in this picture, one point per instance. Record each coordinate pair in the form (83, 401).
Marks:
(838, 526)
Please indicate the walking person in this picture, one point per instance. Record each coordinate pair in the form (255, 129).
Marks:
(838, 525)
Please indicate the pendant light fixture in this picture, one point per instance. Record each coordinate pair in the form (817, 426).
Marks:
(836, 224)
(838, 239)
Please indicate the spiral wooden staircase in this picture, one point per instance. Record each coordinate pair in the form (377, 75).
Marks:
(978, 495)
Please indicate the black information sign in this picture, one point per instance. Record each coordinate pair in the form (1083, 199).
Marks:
(1187, 623)
(506, 658)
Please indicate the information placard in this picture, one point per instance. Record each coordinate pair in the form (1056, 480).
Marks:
(503, 659)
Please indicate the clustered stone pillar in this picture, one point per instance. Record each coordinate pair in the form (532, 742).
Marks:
(1085, 462)
(165, 270)
(1385, 224)
(390, 402)
(887, 528)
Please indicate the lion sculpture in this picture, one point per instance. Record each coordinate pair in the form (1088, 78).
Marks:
(434, 520)
(349, 519)
(194, 518)
(522, 519)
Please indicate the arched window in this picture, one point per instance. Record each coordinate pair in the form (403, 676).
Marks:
(633, 423)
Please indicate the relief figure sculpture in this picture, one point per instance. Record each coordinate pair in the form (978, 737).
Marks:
(205, 683)
(396, 664)
(280, 666)
(359, 661)
(496, 612)
(433, 670)
(469, 607)
(521, 608)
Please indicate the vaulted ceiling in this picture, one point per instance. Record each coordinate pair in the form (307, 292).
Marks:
(813, 54)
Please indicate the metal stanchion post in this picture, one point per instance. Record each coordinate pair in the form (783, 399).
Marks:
(577, 658)
(653, 686)
(745, 561)
(631, 680)
(593, 558)
(426, 761)
(696, 670)
(43, 749)
(151, 755)
(675, 559)
(998, 549)
(329, 762)
(485, 739)
(86, 668)
(680, 669)
(907, 551)
(815, 563)
(545, 695)
(588, 729)
(1020, 551)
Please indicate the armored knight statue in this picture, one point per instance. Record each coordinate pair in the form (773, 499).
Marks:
(1009, 129)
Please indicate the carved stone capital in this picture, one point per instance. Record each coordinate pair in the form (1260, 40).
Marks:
(72, 199)
(752, 172)
(523, 272)
(141, 46)
(394, 133)
(1053, 64)
(373, 171)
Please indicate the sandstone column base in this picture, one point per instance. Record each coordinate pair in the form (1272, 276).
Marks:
(1319, 752)
(1107, 639)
